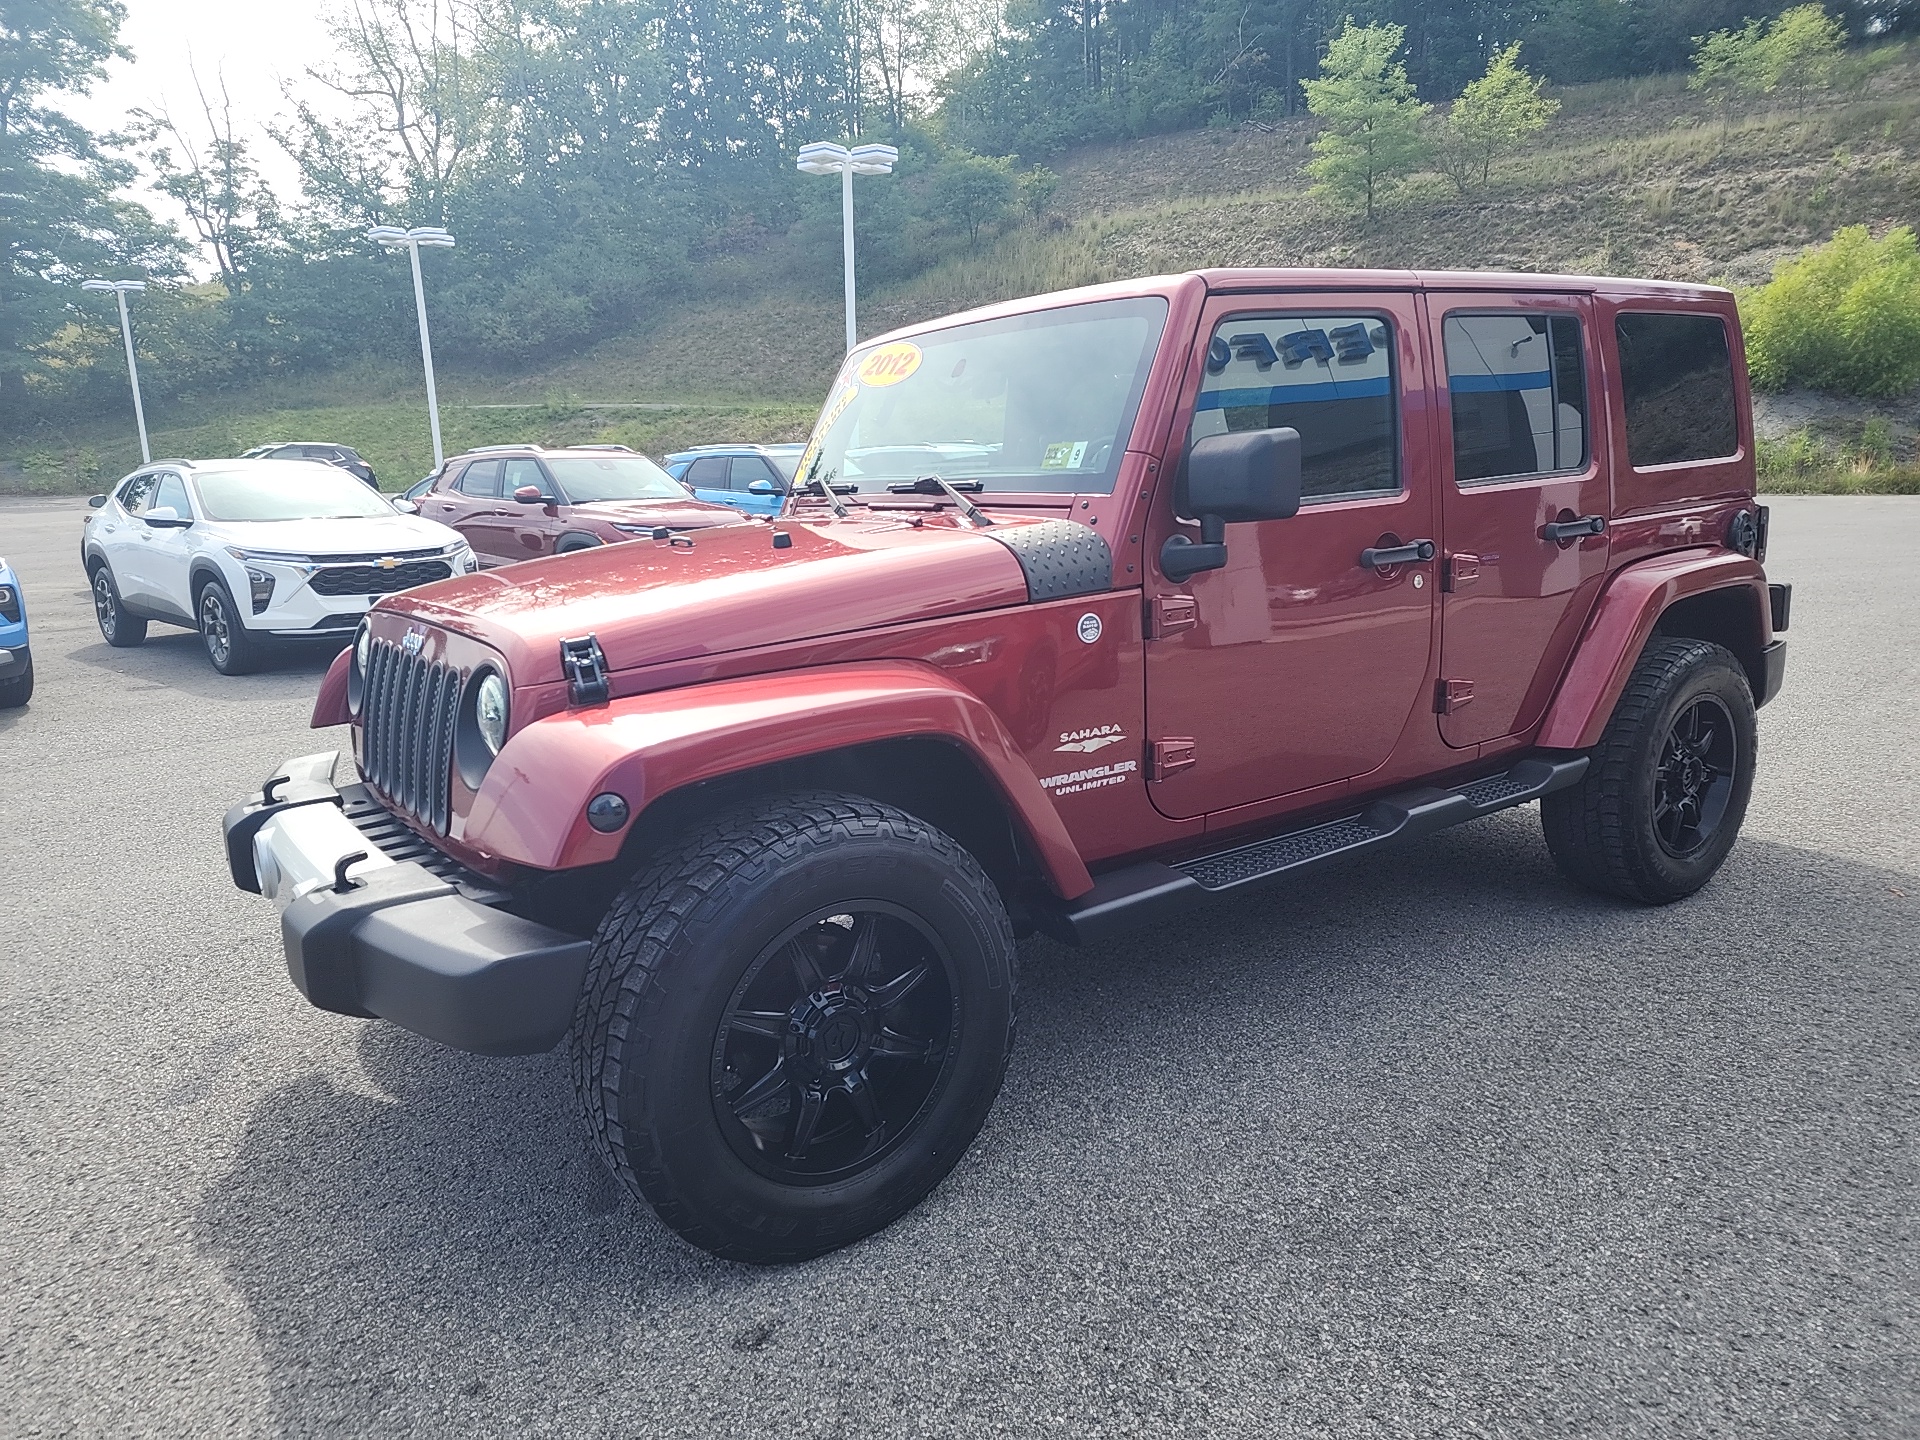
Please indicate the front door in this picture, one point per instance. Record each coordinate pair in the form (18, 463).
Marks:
(1298, 664)
(1523, 477)
(165, 555)
(524, 531)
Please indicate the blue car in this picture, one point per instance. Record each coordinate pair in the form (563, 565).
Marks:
(751, 478)
(16, 661)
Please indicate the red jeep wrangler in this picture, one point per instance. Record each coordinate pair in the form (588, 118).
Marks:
(1086, 607)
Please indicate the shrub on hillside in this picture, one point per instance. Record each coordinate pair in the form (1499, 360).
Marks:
(1844, 317)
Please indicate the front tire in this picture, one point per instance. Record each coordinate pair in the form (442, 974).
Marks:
(118, 627)
(794, 1024)
(18, 689)
(1667, 787)
(231, 648)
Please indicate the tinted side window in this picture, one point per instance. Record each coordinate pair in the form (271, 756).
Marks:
(482, 478)
(709, 472)
(135, 492)
(172, 492)
(1676, 375)
(1328, 376)
(749, 468)
(1519, 394)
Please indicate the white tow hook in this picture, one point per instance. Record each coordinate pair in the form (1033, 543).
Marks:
(299, 850)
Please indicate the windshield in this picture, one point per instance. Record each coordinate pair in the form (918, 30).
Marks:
(786, 460)
(290, 490)
(587, 478)
(1041, 402)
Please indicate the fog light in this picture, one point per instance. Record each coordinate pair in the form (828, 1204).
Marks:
(606, 812)
(261, 584)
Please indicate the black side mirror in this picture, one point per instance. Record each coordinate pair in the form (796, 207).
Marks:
(1232, 479)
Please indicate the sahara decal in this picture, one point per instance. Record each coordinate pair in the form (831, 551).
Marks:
(1085, 742)
(833, 412)
(1094, 778)
(889, 365)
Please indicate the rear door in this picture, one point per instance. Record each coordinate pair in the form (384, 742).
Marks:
(473, 508)
(1522, 458)
(1299, 664)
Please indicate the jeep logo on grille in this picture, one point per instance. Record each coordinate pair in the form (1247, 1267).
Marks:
(412, 641)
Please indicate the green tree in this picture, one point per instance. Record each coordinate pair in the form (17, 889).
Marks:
(1037, 188)
(1499, 112)
(1372, 133)
(971, 191)
(1798, 52)
(1802, 51)
(61, 218)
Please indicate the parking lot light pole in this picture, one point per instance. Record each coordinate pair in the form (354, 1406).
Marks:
(825, 158)
(393, 237)
(121, 289)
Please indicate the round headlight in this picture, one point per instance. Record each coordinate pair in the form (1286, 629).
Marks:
(357, 669)
(490, 711)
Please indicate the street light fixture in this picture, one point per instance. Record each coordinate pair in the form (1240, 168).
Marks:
(393, 237)
(825, 158)
(122, 289)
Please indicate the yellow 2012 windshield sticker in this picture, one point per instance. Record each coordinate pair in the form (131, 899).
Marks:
(889, 365)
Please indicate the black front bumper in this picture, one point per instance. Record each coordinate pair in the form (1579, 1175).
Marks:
(403, 942)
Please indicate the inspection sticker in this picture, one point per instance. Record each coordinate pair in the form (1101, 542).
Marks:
(1067, 455)
(889, 365)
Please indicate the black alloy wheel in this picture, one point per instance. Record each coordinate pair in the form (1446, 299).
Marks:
(794, 1021)
(1698, 765)
(1665, 790)
(833, 1042)
(117, 627)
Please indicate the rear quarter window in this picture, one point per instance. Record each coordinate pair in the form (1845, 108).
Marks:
(1676, 380)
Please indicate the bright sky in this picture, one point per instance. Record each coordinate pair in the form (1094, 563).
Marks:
(253, 45)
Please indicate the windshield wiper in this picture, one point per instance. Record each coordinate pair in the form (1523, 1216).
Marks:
(937, 485)
(825, 487)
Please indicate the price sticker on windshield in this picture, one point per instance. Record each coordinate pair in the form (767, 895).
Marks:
(804, 471)
(889, 365)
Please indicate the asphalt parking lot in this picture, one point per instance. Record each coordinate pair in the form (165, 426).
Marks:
(1436, 1147)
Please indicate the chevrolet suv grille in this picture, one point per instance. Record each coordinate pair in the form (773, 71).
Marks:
(373, 580)
(408, 715)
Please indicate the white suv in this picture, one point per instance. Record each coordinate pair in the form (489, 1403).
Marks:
(249, 551)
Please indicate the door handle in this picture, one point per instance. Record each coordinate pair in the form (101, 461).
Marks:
(1382, 558)
(1579, 529)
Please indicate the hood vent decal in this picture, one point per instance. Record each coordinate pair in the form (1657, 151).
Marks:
(1060, 558)
(586, 670)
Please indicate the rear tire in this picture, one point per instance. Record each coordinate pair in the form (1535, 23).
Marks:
(118, 627)
(794, 1023)
(231, 648)
(1666, 788)
(570, 543)
(17, 690)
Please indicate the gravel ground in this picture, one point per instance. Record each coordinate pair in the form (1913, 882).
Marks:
(1438, 1146)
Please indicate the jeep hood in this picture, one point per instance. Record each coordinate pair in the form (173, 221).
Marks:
(724, 589)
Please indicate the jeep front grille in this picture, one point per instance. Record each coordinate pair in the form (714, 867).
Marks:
(408, 712)
(372, 580)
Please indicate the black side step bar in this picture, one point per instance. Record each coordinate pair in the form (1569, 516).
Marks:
(1124, 897)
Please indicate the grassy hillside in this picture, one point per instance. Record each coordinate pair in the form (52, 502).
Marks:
(1635, 177)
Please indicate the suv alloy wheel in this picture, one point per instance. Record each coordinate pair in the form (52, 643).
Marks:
(230, 648)
(118, 628)
(794, 1023)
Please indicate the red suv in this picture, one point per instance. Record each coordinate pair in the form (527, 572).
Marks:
(1086, 608)
(516, 502)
